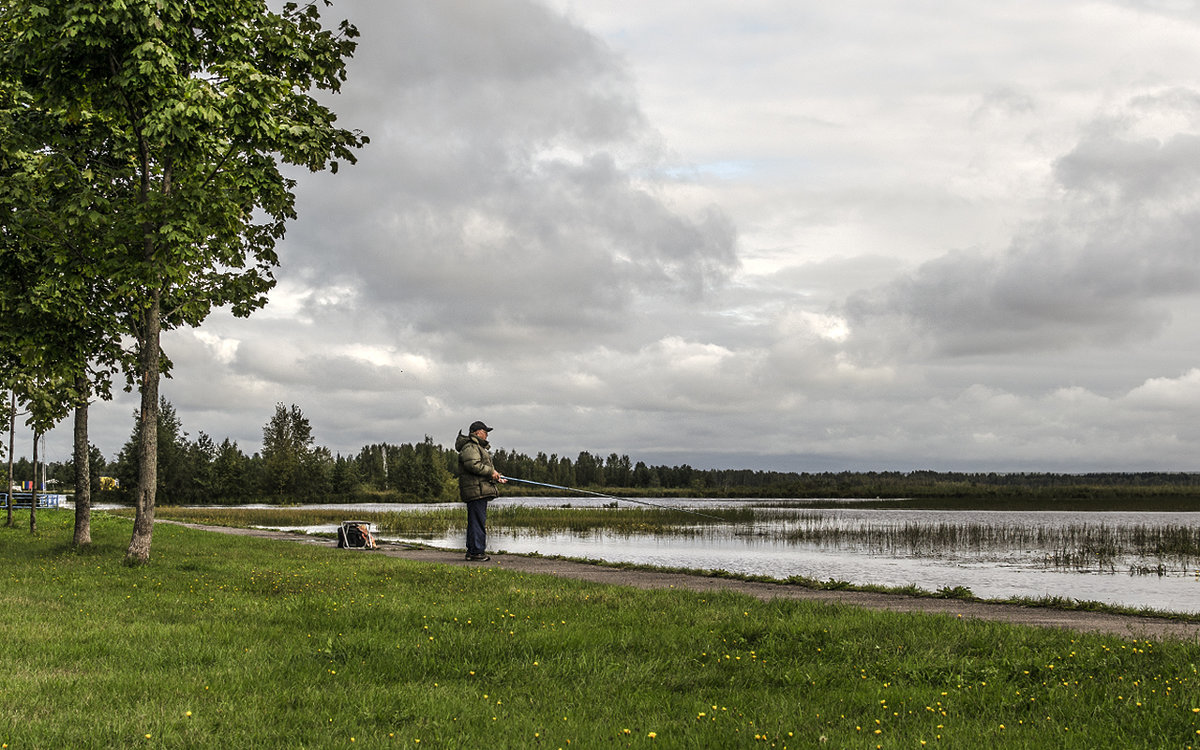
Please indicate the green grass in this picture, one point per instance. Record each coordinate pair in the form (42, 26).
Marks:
(227, 641)
(436, 522)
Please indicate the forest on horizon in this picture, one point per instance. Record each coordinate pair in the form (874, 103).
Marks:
(291, 467)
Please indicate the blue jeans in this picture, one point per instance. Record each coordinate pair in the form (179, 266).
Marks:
(476, 526)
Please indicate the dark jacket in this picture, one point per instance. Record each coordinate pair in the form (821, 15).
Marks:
(474, 469)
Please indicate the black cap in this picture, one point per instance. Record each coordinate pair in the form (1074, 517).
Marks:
(478, 426)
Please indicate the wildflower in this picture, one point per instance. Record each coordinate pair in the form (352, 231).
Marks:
(652, 735)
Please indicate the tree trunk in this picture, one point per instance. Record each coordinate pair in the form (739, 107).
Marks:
(33, 497)
(148, 366)
(83, 472)
(12, 429)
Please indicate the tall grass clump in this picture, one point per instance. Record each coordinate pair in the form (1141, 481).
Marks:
(1079, 546)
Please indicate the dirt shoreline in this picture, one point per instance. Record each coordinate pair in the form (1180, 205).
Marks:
(1132, 626)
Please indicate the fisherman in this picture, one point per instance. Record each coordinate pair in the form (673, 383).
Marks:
(477, 479)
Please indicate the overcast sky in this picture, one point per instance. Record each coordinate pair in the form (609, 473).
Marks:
(780, 234)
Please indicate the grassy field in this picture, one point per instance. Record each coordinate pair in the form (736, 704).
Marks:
(233, 642)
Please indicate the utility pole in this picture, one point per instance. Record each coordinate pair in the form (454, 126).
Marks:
(33, 497)
(12, 427)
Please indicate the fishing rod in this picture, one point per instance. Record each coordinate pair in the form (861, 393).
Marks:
(613, 497)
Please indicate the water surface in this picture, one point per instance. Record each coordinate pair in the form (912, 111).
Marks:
(988, 571)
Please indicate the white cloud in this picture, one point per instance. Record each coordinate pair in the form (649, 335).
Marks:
(1179, 396)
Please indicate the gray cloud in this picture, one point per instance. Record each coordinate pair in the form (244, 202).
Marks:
(783, 235)
(1118, 244)
(508, 207)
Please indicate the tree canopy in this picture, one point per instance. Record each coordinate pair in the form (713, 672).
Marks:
(145, 166)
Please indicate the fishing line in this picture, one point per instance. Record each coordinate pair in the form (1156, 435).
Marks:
(613, 497)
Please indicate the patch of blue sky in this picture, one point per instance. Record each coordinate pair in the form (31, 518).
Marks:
(725, 170)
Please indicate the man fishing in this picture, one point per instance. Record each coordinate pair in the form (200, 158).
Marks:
(477, 479)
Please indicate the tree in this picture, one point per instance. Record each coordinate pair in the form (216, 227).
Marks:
(59, 345)
(287, 451)
(372, 465)
(589, 471)
(12, 424)
(192, 107)
(316, 478)
(200, 457)
(230, 471)
(344, 480)
(174, 471)
(55, 355)
(83, 477)
(618, 471)
(170, 449)
(435, 482)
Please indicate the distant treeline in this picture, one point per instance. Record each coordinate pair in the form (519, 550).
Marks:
(928, 484)
(291, 468)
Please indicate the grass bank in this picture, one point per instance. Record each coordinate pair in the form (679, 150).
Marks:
(441, 520)
(236, 642)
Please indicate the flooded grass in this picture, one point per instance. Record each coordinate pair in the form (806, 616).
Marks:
(248, 517)
(1076, 546)
(1139, 549)
(441, 520)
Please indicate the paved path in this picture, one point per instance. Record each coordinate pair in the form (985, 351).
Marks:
(1089, 622)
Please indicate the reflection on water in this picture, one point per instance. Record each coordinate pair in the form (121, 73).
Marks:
(990, 570)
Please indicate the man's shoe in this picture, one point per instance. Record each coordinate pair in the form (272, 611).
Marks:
(478, 558)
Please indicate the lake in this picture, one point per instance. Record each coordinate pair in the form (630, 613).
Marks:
(874, 547)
